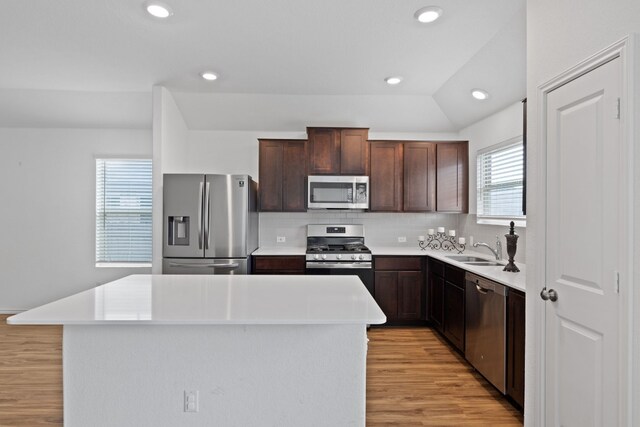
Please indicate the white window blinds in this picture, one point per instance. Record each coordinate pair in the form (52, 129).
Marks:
(123, 211)
(501, 181)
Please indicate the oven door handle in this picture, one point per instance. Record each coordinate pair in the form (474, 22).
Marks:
(357, 265)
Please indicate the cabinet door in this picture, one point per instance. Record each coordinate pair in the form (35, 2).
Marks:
(436, 300)
(323, 151)
(278, 265)
(386, 176)
(452, 182)
(386, 293)
(293, 179)
(515, 346)
(453, 326)
(354, 152)
(410, 284)
(419, 177)
(270, 176)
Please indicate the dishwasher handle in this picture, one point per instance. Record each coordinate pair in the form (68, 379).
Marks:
(484, 286)
(482, 290)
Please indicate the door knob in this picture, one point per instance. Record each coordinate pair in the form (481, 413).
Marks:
(548, 294)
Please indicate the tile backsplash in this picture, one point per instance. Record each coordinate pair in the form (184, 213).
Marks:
(383, 229)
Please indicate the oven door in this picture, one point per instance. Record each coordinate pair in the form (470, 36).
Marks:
(359, 269)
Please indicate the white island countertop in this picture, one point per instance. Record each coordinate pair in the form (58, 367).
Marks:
(213, 300)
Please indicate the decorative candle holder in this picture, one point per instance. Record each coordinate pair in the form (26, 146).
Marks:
(512, 246)
(440, 241)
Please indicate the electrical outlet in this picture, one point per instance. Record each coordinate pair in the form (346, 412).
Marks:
(281, 239)
(191, 401)
(402, 239)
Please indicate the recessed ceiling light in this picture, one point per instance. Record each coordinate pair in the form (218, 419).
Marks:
(480, 94)
(208, 75)
(428, 14)
(158, 10)
(393, 80)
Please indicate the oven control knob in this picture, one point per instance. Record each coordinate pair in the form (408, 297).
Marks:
(339, 256)
(324, 256)
(360, 256)
(353, 257)
(316, 256)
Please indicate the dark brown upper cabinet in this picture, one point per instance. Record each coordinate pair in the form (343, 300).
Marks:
(354, 152)
(337, 151)
(419, 177)
(385, 178)
(281, 186)
(452, 177)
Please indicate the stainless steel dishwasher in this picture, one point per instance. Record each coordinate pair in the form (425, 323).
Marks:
(485, 331)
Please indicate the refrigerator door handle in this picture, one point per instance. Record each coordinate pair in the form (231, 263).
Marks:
(200, 216)
(206, 215)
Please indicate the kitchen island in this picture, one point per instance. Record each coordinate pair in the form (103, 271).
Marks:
(153, 350)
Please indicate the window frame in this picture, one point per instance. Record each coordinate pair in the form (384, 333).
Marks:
(118, 264)
(519, 220)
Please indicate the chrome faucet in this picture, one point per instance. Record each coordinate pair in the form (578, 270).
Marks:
(497, 251)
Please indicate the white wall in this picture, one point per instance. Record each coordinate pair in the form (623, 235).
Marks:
(560, 34)
(47, 211)
(218, 151)
(499, 127)
(169, 139)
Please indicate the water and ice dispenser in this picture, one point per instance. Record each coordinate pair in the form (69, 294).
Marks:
(178, 234)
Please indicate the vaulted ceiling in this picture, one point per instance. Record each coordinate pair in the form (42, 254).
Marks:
(281, 63)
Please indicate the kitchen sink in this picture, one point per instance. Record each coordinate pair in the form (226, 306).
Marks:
(467, 258)
(484, 263)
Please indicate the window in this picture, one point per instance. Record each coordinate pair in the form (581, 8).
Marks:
(501, 183)
(123, 211)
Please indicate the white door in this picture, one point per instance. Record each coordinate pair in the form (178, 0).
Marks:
(583, 236)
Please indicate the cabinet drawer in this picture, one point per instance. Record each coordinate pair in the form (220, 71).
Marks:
(436, 267)
(274, 264)
(454, 275)
(407, 263)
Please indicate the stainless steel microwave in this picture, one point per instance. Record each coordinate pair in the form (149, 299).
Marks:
(337, 192)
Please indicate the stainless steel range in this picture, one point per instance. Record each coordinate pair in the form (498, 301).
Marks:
(339, 250)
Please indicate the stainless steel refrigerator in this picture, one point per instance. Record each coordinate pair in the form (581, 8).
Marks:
(210, 224)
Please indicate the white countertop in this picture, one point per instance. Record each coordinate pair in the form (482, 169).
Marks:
(513, 280)
(213, 300)
(280, 251)
(495, 273)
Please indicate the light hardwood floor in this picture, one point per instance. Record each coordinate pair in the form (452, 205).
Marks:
(30, 375)
(413, 379)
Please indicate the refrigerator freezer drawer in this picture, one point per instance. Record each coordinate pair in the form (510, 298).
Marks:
(205, 266)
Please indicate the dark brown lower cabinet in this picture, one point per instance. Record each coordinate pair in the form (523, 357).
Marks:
(279, 264)
(515, 345)
(453, 326)
(446, 301)
(410, 285)
(386, 293)
(436, 301)
(400, 293)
